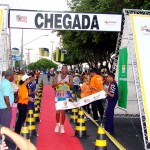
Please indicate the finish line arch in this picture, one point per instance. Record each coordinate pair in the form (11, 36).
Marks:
(46, 20)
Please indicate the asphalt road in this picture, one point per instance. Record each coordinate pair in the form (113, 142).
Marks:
(127, 131)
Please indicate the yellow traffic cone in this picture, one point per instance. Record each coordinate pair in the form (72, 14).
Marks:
(31, 123)
(24, 131)
(36, 113)
(38, 101)
(74, 115)
(101, 143)
(80, 130)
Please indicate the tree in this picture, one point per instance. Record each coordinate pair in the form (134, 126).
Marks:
(95, 47)
(32, 66)
(42, 64)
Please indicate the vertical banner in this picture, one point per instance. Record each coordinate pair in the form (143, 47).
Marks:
(44, 52)
(1, 20)
(62, 57)
(141, 33)
(122, 78)
(58, 55)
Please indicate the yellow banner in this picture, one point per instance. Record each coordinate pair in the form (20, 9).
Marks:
(141, 33)
(1, 20)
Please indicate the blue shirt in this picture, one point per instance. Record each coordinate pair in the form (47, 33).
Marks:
(113, 89)
(31, 86)
(6, 89)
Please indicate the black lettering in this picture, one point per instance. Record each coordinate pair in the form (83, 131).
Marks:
(84, 19)
(37, 24)
(58, 20)
(76, 23)
(95, 23)
(67, 24)
(48, 20)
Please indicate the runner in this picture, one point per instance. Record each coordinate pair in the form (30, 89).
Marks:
(62, 83)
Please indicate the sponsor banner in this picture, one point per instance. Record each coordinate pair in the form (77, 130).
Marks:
(64, 20)
(69, 104)
(15, 51)
(141, 33)
(122, 78)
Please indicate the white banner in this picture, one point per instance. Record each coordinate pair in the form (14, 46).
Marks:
(68, 104)
(141, 32)
(29, 19)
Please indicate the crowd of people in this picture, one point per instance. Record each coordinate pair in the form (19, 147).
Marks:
(84, 85)
(17, 93)
(18, 88)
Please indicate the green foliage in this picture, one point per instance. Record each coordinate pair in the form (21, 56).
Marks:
(17, 65)
(41, 64)
(32, 66)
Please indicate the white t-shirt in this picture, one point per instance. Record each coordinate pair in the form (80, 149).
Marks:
(76, 80)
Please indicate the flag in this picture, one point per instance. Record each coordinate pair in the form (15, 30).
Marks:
(58, 55)
(44, 52)
(63, 55)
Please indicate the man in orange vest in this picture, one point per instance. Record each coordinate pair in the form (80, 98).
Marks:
(96, 85)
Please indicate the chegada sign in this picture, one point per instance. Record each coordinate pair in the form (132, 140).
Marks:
(45, 20)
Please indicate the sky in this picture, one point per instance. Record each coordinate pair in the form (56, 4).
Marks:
(29, 35)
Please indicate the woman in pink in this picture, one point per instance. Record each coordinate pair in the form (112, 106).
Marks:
(14, 106)
(86, 91)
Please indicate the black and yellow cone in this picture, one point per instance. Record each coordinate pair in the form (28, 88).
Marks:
(38, 107)
(38, 101)
(80, 130)
(38, 94)
(24, 131)
(36, 113)
(74, 115)
(100, 143)
(31, 123)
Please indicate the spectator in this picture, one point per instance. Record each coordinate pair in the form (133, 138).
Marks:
(23, 99)
(14, 106)
(112, 97)
(48, 75)
(37, 74)
(76, 82)
(96, 85)
(86, 91)
(31, 90)
(3, 74)
(6, 98)
(20, 74)
(21, 142)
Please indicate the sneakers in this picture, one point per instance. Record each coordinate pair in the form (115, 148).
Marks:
(62, 129)
(57, 127)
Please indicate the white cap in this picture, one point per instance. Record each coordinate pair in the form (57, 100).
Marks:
(76, 74)
(25, 77)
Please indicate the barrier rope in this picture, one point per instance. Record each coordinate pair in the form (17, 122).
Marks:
(116, 143)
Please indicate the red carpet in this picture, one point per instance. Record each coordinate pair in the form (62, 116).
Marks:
(48, 139)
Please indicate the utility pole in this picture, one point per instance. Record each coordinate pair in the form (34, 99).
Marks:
(21, 56)
(29, 54)
(52, 50)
